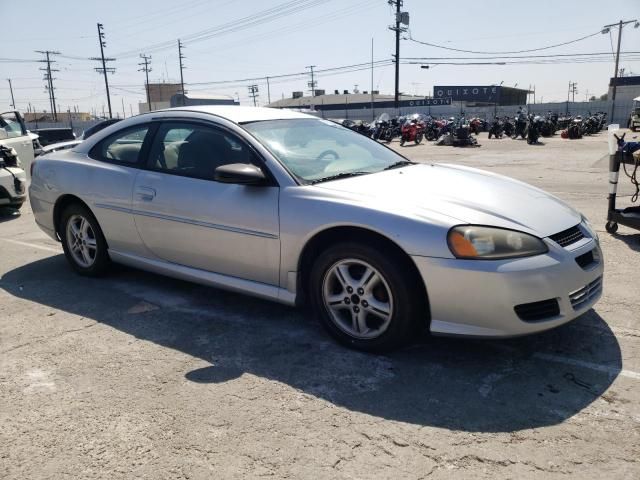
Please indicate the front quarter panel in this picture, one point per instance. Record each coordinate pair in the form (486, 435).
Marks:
(306, 211)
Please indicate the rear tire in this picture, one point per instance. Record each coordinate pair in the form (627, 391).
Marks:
(83, 242)
(364, 299)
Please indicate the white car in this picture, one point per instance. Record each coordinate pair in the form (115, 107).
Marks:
(297, 209)
(13, 181)
(14, 134)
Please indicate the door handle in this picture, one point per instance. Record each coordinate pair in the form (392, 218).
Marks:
(146, 194)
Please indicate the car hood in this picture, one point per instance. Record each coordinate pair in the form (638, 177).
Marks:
(464, 194)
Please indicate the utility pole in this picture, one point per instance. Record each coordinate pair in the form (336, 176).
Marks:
(146, 61)
(104, 69)
(124, 114)
(312, 84)
(268, 92)
(606, 29)
(49, 78)
(13, 100)
(253, 92)
(373, 115)
(401, 18)
(182, 67)
(573, 89)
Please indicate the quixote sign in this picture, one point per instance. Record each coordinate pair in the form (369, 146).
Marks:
(428, 102)
(471, 93)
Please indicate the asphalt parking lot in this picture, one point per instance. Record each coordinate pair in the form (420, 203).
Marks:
(140, 376)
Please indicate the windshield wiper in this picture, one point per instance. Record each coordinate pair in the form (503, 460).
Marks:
(401, 163)
(338, 176)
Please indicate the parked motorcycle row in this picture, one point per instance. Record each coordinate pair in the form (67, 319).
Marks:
(415, 128)
(459, 131)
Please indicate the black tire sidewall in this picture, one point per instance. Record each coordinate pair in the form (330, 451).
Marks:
(102, 261)
(406, 297)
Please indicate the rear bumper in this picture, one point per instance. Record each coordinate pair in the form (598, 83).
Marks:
(477, 298)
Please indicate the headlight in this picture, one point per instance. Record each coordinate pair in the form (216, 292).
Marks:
(488, 243)
(589, 228)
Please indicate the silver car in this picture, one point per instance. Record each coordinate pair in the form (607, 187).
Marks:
(292, 208)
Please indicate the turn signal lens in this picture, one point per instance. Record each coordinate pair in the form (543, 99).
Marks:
(489, 243)
(460, 246)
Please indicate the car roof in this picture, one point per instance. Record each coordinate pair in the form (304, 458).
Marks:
(238, 114)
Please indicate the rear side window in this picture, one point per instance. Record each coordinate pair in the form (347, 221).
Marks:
(123, 147)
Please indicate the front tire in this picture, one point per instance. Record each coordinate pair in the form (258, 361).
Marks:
(83, 242)
(365, 300)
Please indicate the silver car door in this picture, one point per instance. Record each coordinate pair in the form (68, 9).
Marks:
(185, 217)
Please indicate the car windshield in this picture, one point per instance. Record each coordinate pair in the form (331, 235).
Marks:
(317, 150)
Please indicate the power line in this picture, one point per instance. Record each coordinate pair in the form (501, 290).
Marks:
(367, 65)
(520, 56)
(264, 16)
(500, 53)
(104, 69)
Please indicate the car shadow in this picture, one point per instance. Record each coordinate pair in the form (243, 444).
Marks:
(475, 386)
(7, 214)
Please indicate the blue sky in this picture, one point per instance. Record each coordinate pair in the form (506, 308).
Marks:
(329, 33)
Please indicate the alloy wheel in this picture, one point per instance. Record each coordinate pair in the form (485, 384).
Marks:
(81, 241)
(358, 298)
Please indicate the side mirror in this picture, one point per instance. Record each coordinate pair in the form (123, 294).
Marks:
(3, 134)
(239, 173)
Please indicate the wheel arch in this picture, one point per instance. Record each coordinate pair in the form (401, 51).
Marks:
(63, 202)
(320, 241)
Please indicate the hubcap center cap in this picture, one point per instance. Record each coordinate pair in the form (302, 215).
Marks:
(355, 299)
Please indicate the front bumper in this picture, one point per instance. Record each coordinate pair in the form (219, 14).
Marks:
(9, 198)
(477, 298)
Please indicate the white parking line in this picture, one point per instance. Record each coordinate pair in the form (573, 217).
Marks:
(34, 245)
(612, 371)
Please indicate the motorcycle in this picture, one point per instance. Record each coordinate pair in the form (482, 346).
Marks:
(412, 130)
(574, 129)
(548, 125)
(533, 130)
(477, 125)
(521, 122)
(432, 130)
(457, 134)
(508, 126)
(383, 129)
(497, 128)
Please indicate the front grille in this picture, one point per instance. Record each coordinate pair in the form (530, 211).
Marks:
(537, 311)
(567, 237)
(586, 294)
